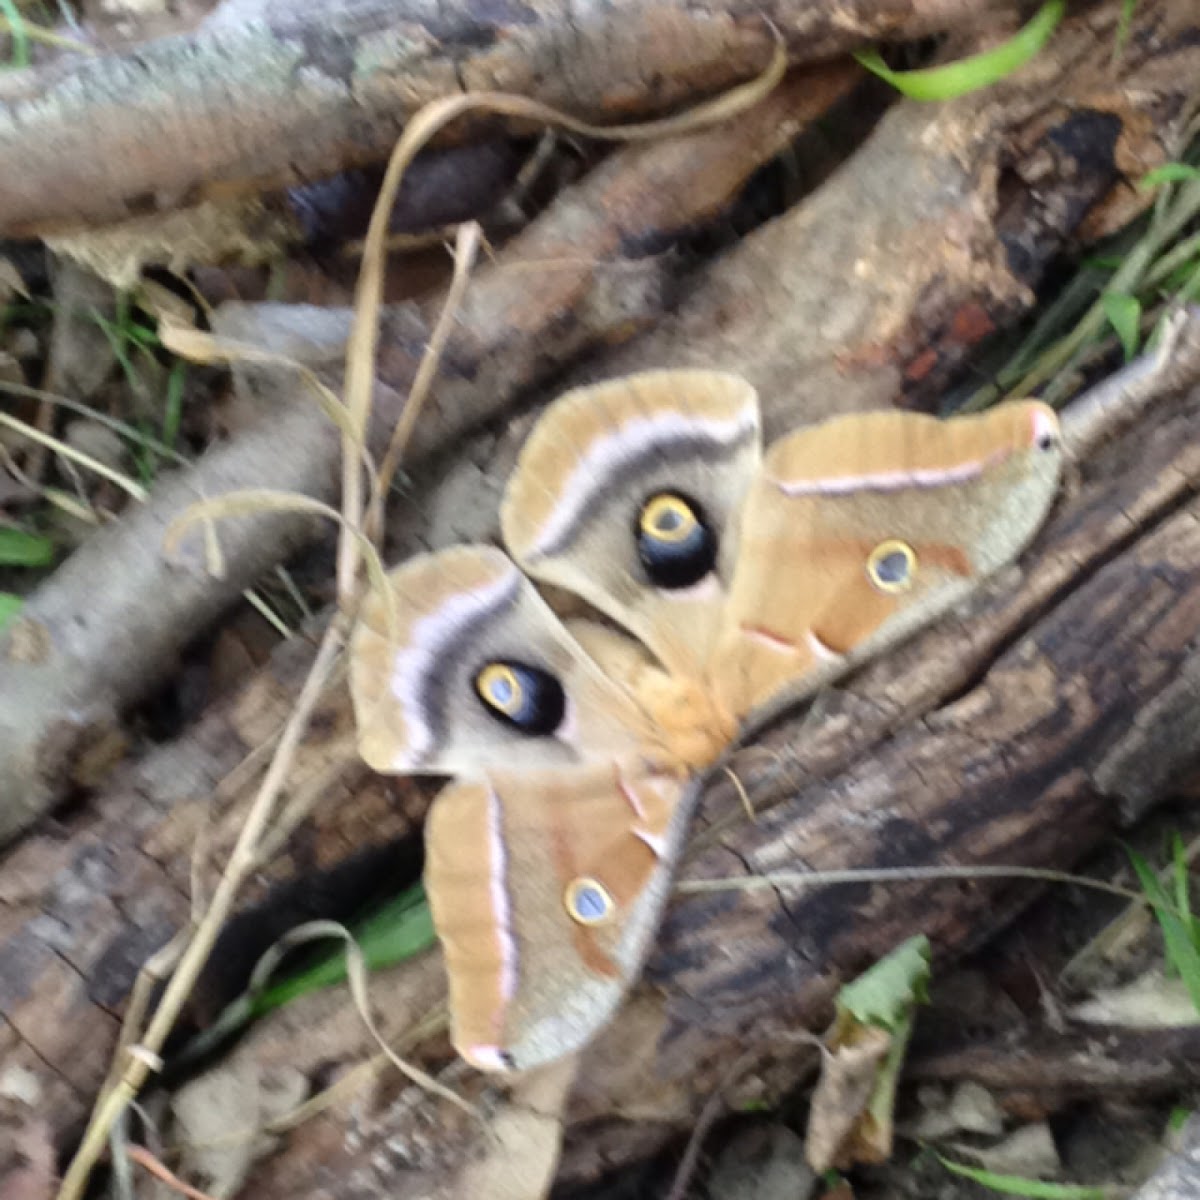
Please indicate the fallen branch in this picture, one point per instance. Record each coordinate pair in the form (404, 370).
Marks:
(266, 94)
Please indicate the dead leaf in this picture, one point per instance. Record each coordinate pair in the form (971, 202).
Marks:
(1028, 1151)
(1149, 1002)
(220, 1116)
(837, 1135)
(521, 1153)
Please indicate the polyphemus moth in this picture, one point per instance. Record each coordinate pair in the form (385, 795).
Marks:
(720, 582)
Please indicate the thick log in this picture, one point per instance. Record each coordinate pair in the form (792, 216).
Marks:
(272, 92)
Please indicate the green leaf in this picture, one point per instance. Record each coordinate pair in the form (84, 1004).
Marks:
(1172, 172)
(20, 549)
(1124, 313)
(884, 995)
(1178, 1119)
(1180, 872)
(1102, 262)
(1180, 946)
(399, 931)
(1124, 24)
(173, 409)
(1020, 1185)
(978, 71)
(10, 605)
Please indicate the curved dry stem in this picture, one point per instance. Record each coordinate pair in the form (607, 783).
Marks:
(368, 296)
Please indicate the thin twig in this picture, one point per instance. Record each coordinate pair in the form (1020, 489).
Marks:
(466, 250)
(807, 879)
(147, 1161)
(712, 1109)
(368, 295)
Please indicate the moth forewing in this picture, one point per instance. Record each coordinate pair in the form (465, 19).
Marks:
(596, 459)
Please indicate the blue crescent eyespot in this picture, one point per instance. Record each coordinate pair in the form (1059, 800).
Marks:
(892, 566)
(589, 902)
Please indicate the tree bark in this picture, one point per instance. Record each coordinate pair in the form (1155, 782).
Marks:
(1014, 734)
(273, 92)
(837, 305)
(1179, 1177)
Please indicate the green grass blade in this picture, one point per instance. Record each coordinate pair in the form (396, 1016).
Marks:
(399, 931)
(1172, 172)
(1181, 878)
(1124, 313)
(1179, 1117)
(173, 409)
(978, 71)
(1124, 24)
(10, 605)
(20, 549)
(1181, 950)
(1020, 1185)
(18, 33)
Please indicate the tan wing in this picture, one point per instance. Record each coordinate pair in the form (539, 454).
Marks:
(571, 510)
(861, 529)
(508, 859)
(415, 659)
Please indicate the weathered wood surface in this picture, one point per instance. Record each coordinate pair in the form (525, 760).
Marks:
(272, 92)
(1012, 737)
(932, 235)
(1179, 1177)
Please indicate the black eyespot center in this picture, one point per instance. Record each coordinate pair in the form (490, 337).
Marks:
(676, 545)
(522, 696)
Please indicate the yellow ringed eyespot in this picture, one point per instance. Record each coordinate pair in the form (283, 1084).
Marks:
(675, 544)
(589, 902)
(668, 518)
(892, 566)
(525, 698)
(499, 688)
